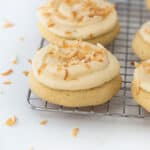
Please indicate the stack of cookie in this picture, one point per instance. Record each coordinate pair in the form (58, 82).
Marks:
(74, 70)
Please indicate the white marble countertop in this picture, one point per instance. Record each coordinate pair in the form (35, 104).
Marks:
(95, 132)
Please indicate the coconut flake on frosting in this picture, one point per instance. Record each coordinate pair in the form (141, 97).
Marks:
(79, 66)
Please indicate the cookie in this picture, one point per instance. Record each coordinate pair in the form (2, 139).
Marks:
(140, 88)
(89, 20)
(75, 74)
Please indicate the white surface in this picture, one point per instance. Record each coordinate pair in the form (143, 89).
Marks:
(95, 132)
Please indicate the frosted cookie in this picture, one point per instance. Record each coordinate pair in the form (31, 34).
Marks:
(90, 20)
(75, 74)
(141, 84)
(141, 42)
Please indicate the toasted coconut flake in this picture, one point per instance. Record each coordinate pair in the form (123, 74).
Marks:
(67, 32)
(100, 51)
(14, 60)
(66, 74)
(46, 14)
(7, 82)
(43, 66)
(74, 132)
(86, 60)
(7, 24)
(66, 1)
(65, 65)
(91, 36)
(87, 65)
(80, 56)
(69, 2)
(80, 19)
(74, 14)
(7, 72)
(103, 12)
(64, 44)
(87, 48)
(50, 24)
(43, 122)
(72, 54)
(51, 53)
(88, 3)
(11, 121)
(25, 73)
(29, 61)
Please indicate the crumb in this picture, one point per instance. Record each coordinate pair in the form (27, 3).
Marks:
(14, 60)
(43, 122)
(21, 38)
(25, 73)
(7, 72)
(29, 61)
(51, 25)
(11, 121)
(7, 82)
(74, 132)
(7, 24)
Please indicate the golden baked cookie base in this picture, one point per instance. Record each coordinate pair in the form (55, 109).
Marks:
(140, 47)
(103, 39)
(141, 97)
(81, 98)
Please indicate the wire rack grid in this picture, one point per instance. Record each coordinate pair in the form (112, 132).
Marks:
(131, 14)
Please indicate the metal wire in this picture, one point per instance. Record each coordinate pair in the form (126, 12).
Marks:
(132, 16)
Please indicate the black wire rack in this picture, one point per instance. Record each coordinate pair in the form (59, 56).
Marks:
(132, 14)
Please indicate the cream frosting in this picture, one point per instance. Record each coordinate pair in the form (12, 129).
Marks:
(145, 31)
(78, 19)
(142, 75)
(74, 65)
